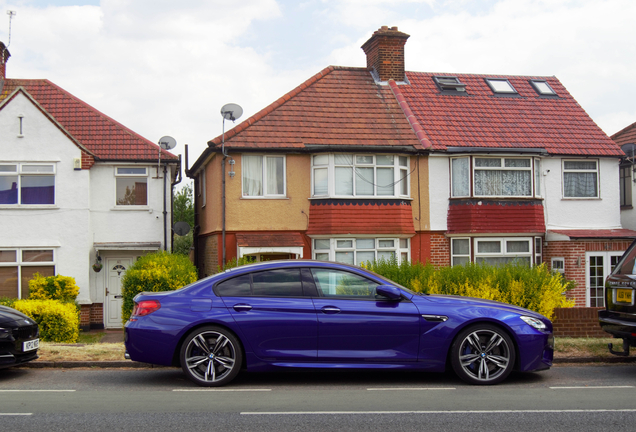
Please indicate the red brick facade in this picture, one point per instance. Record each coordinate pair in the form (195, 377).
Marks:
(577, 322)
(385, 53)
(91, 316)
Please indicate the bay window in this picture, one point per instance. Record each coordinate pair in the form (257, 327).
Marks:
(358, 251)
(580, 179)
(263, 176)
(18, 266)
(349, 175)
(495, 177)
(27, 184)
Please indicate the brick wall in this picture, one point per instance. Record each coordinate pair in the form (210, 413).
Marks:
(440, 250)
(577, 322)
(91, 316)
(208, 255)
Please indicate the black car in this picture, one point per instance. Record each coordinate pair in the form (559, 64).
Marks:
(619, 316)
(19, 338)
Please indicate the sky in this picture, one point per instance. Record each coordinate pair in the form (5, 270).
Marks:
(166, 68)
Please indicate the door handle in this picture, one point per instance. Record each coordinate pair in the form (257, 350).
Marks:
(330, 310)
(242, 307)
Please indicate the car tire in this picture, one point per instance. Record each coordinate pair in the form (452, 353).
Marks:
(483, 354)
(211, 356)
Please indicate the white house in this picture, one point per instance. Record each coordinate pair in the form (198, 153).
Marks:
(78, 191)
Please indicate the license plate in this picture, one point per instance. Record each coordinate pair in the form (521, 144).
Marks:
(30, 345)
(624, 295)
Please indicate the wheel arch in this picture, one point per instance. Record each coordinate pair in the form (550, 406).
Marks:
(176, 360)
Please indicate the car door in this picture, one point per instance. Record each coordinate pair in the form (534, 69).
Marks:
(355, 325)
(276, 319)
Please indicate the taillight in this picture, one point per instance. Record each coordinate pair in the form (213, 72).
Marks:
(145, 307)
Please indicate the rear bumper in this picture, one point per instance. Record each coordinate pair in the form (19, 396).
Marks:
(617, 325)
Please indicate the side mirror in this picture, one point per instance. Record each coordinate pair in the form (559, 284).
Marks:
(388, 291)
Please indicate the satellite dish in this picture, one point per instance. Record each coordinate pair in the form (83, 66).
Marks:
(231, 111)
(629, 149)
(181, 228)
(167, 142)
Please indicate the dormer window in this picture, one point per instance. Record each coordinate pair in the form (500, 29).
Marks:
(501, 86)
(449, 84)
(542, 88)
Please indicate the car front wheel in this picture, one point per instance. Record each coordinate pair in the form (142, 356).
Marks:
(211, 356)
(482, 354)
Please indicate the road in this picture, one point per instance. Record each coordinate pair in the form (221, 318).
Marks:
(578, 398)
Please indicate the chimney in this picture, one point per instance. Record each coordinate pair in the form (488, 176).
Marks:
(385, 53)
(4, 56)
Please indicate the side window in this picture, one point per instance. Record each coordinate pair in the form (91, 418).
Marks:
(336, 283)
(131, 186)
(278, 283)
(235, 287)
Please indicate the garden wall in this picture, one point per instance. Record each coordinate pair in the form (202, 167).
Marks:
(577, 322)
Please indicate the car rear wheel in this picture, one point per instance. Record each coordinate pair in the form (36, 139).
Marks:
(483, 354)
(211, 356)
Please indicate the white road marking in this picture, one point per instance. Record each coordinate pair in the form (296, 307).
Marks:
(590, 387)
(436, 412)
(410, 388)
(16, 414)
(32, 391)
(221, 390)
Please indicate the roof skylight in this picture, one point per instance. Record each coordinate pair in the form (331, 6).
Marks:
(449, 83)
(501, 86)
(543, 88)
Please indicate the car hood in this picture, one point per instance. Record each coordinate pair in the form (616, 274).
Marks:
(10, 316)
(460, 300)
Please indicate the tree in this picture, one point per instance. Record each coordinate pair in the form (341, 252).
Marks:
(183, 208)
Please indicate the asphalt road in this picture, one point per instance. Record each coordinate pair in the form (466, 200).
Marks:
(581, 398)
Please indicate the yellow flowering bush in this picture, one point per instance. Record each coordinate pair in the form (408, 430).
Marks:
(161, 271)
(58, 321)
(58, 287)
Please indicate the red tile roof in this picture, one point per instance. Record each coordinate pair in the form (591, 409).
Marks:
(473, 216)
(103, 137)
(625, 136)
(336, 107)
(481, 119)
(359, 217)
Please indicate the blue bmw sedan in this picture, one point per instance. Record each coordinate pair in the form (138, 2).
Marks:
(315, 314)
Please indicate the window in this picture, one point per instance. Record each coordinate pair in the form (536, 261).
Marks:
(501, 86)
(494, 177)
(498, 251)
(358, 251)
(449, 84)
(27, 184)
(263, 176)
(348, 175)
(538, 250)
(626, 185)
(542, 88)
(131, 186)
(18, 266)
(272, 283)
(202, 187)
(580, 179)
(558, 264)
(336, 283)
(460, 251)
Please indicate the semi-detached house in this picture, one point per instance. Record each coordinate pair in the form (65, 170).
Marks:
(358, 164)
(79, 192)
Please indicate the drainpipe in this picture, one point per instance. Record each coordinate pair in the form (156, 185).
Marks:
(223, 204)
(172, 185)
(165, 211)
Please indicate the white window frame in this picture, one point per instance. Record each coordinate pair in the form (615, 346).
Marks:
(565, 171)
(132, 175)
(400, 251)
(264, 193)
(558, 264)
(401, 171)
(501, 86)
(455, 254)
(503, 252)
(468, 180)
(503, 167)
(20, 263)
(20, 172)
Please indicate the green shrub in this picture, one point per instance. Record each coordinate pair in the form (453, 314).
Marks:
(58, 287)
(534, 288)
(161, 271)
(7, 301)
(58, 321)
(234, 262)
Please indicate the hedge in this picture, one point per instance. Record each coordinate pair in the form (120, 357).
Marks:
(58, 287)
(161, 271)
(58, 321)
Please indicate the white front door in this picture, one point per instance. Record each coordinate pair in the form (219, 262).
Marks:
(598, 266)
(116, 269)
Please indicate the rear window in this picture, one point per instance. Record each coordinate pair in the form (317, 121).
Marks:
(627, 265)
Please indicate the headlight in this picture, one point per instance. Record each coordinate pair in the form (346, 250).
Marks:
(533, 322)
(4, 333)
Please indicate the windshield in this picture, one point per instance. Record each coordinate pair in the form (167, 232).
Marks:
(627, 264)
